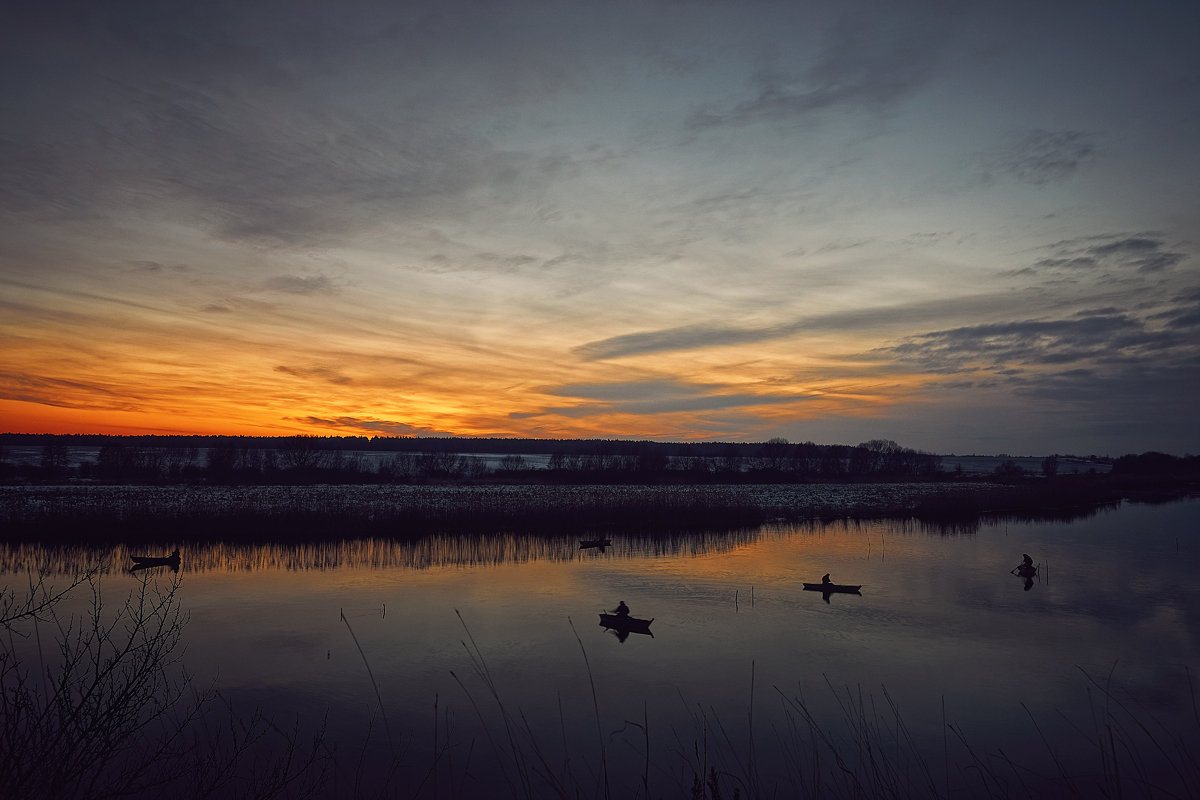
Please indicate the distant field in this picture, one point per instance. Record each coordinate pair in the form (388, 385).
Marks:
(986, 465)
(372, 459)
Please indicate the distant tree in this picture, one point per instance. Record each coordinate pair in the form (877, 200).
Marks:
(879, 455)
(302, 453)
(400, 468)
(1152, 463)
(651, 461)
(55, 460)
(1050, 466)
(512, 463)
(730, 459)
(836, 460)
(1008, 469)
(223, 461)
(774, 455)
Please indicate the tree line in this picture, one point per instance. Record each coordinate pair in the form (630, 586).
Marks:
(309, 459)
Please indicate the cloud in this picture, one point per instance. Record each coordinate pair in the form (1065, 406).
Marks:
(688, 337)
(1041, 157)
(64, 393)
(862, 67)
(702, 335)
(155, 267)
(1097, 340)
(261, 124)
(968, 349)
(1184, 319)
(655, 397)
(1141, 253)
(297, 284)
(381, 427)
(1139, 394)
(315, 373)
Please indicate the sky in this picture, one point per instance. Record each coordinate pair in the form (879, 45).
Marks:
(963, 226)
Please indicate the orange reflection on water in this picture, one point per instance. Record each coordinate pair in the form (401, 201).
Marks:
(427, 552)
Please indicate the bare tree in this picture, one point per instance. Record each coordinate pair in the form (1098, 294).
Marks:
(111, 713)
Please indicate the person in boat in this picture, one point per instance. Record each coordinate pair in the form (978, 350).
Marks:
(1026, 561)
(825, 580)
(621, 610)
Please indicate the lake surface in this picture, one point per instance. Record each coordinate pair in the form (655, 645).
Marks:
(396, 644)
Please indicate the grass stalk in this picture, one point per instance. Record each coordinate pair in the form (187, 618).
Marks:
(374, 684)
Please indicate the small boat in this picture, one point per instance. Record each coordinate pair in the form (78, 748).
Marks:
(1025, 571)
(601, 543)
(156, 561)
(626, 624)
(832, 587)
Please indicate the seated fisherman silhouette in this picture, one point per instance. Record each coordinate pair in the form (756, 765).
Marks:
(825, 580)
(621, 610)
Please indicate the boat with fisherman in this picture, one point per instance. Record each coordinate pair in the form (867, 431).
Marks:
(827, 586)
(141, 562)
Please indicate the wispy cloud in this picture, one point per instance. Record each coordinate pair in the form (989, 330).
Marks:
(704, 335)
(658, 397)
(1097, 342)
(301, 284)
(862, 67)
(688, 337)
(382, 427)
(315, 373)
(1141, 253)
(65, 393)
(1041, 157)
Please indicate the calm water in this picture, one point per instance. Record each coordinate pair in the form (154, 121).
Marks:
(942, 630)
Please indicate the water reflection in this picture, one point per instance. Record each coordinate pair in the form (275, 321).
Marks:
(445, 550)
(455, 550)
(941, 627)
(621, 622)
(426, 552)
(1026, 570)
(599, 544)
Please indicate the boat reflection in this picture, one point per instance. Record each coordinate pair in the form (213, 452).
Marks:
(1026, 570)
(622, 625)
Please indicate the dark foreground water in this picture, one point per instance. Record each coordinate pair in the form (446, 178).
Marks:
(463, 667)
